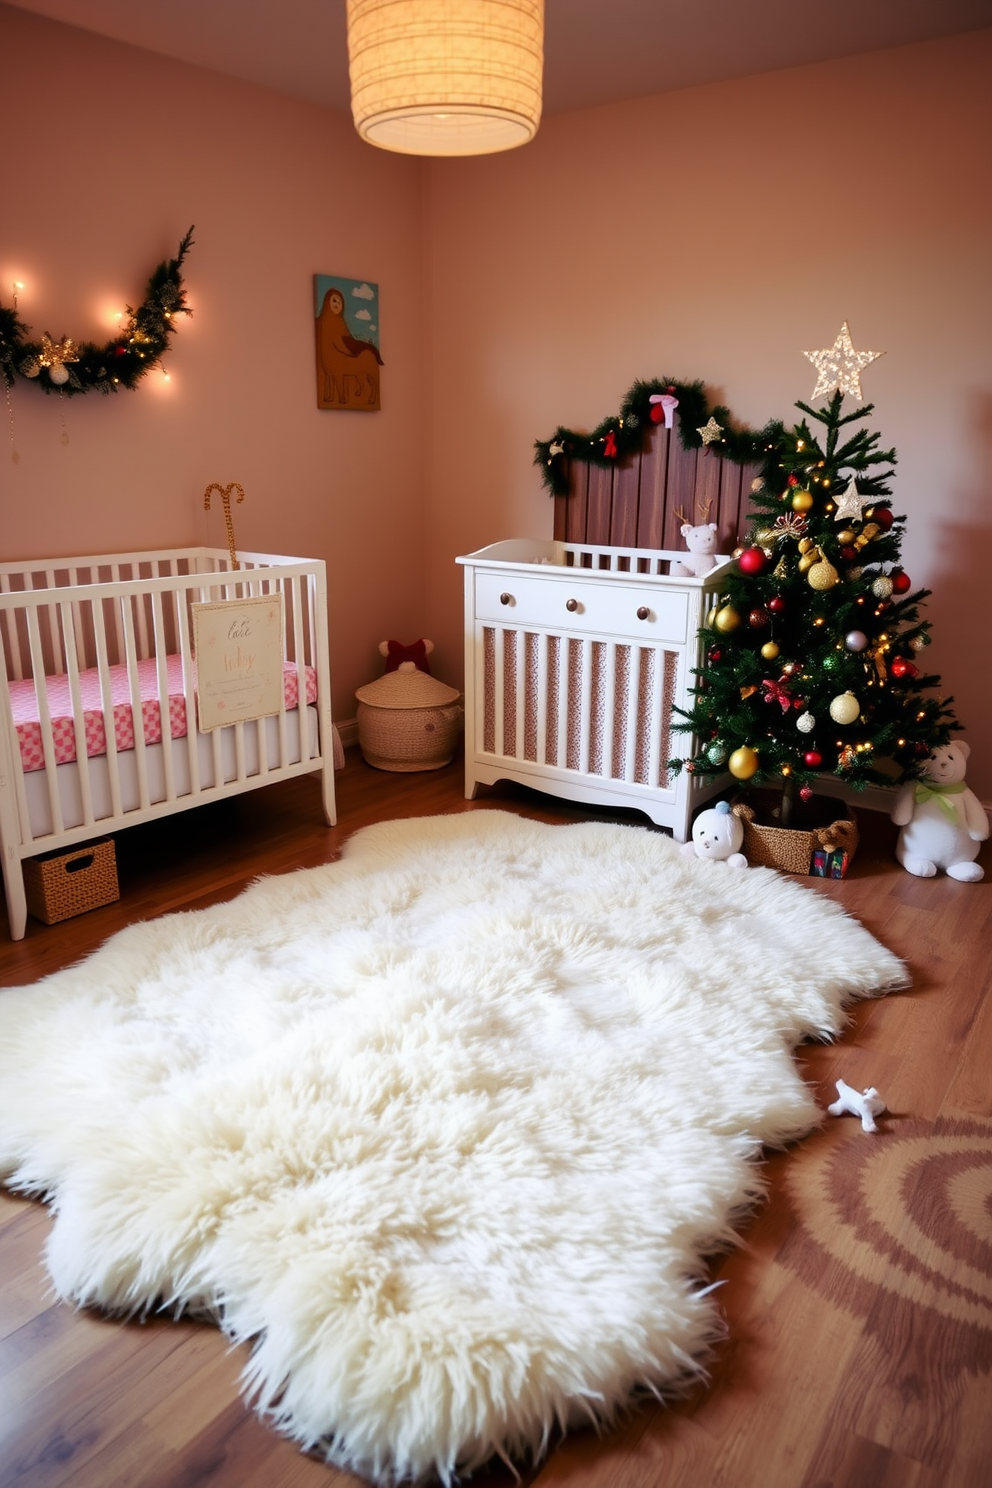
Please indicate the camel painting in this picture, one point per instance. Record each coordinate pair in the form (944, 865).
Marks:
(348, 359)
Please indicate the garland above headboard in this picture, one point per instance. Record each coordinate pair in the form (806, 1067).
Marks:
(700, 426)
(668, 456)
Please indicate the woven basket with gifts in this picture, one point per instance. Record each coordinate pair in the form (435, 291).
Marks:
(822, 840)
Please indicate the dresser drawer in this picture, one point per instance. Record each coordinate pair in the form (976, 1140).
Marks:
(579, 605)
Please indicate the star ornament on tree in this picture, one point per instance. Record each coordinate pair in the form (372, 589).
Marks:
(850, 504)
(840, 366)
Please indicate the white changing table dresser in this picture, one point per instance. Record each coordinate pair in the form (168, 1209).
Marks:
(575, 657)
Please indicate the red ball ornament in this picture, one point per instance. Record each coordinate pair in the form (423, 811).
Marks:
(805, 792)
(776, 604)
(657, 413)
(848, 553)
(900, 667)
(758, 619)
(793, 480)
(882, 516)
(715, 654)
(752, 561)
(813, 759)
(901, 582)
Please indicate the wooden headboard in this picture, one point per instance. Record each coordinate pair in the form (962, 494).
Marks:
(636, 502)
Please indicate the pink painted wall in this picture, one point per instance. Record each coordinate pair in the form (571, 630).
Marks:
(711, 233)
(714, 233)
(111, 152)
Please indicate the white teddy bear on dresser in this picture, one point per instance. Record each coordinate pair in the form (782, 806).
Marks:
(701, 542)
(943, 822)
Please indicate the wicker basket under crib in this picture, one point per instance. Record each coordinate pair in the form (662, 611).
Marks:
(60, 885)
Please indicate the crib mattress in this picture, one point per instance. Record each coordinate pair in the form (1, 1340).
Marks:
(27, 723)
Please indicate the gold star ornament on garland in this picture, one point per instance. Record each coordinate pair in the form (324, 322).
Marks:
(840, 366)
(710, 432)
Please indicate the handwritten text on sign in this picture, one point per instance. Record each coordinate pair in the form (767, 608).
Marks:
(239, 653)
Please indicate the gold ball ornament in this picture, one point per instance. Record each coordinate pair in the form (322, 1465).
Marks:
(769, 650)
(823, 575)
(743, 763)
(847, 536)
(801, 501)
(882, 587)
(726, 619)
(58, 374)
(845, 708)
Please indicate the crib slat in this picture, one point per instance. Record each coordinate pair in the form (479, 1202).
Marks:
(162, 676)
(239, 750)
(13, 641)
(137, 721)
(109, 729)
(183, 598)
(299, 657)
(44, 717)
(78, 714)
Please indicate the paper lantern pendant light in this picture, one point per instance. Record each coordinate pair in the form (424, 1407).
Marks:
(446, 77)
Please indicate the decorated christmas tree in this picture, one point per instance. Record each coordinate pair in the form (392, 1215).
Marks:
(813, 652)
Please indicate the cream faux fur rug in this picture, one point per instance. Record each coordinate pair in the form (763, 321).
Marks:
(443, 1129)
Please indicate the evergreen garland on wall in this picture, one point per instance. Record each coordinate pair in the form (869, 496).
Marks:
(66, 367)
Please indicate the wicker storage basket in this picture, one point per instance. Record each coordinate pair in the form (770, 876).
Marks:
(408, 720)
(60, 885)
(824, 824)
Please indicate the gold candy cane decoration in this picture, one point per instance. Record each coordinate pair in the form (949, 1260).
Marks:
(225, 496)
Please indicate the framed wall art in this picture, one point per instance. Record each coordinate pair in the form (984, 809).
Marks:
(347, 332)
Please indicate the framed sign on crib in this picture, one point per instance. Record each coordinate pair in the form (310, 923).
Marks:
(238, 646)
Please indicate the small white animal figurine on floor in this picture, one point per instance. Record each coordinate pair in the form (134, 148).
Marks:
(864, 1103)
(717, 836)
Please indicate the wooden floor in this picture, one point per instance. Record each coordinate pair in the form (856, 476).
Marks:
(858, 1308)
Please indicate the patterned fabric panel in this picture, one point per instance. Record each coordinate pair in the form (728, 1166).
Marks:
(24, 705)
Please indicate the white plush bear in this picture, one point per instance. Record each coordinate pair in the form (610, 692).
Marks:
(717, 835)
(942, 821)
(701, 542)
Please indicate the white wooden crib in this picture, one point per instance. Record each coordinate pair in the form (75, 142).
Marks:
(110, 639)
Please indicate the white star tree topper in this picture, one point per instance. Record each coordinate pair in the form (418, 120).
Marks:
(840, 366)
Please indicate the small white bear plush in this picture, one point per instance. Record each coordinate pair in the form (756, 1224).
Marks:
(942, 821)
(701, 542)
(717, 835)
(864, 1103)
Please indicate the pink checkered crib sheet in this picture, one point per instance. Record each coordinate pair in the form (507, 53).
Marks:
(24, 705)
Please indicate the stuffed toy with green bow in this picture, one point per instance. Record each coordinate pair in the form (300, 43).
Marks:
(943, 822)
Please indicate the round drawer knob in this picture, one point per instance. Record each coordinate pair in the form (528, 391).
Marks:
(643, 613)
(571, 605)
(506, 598)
